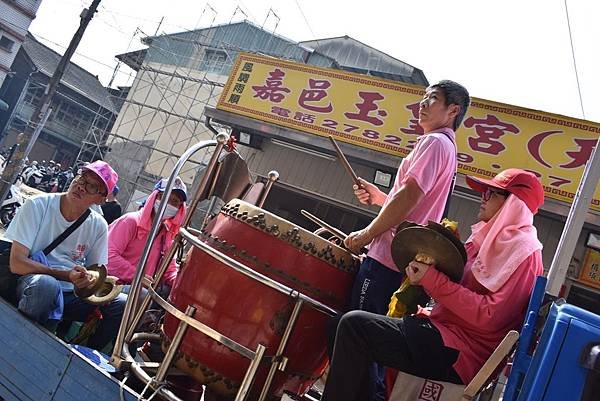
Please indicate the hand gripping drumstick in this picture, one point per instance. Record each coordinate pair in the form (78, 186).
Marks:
(346, 164)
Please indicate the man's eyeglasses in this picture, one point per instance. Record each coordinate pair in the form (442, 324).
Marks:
(487, 195)
(89, 187)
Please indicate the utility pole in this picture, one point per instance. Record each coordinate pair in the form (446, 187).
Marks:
(33, 129)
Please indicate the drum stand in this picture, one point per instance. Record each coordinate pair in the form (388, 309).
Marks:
(153, 374)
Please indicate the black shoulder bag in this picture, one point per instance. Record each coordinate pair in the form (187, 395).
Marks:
(8, 279)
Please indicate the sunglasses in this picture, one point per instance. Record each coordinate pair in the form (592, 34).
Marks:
(89, 187)
(487, 195)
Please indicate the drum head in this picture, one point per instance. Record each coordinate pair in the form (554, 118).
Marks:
(410, 241)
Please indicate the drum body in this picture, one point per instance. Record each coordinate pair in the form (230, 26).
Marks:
(251, 313)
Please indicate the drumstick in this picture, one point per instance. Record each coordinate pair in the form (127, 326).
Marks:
(347, 165)
(345, 161)
(337, 232)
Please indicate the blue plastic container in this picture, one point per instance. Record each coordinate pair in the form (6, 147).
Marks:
(557, 372)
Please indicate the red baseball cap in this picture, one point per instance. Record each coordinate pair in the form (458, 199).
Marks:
(523, 184)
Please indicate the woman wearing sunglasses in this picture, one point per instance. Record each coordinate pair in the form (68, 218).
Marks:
(469, 319)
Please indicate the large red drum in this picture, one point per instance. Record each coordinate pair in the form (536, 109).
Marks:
(252, 313)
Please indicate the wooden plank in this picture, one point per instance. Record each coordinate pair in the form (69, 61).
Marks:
(37, 366)
(83, 381)
(31, 360)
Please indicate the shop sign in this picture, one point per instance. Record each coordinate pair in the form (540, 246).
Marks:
(590, 271)
(382, 115)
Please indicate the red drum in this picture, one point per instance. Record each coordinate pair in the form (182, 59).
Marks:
(249, 312)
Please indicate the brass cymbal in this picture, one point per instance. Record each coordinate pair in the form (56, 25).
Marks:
(448, 234)
(95, 286)
(421, 239)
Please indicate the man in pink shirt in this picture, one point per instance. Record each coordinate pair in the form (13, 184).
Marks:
(469, 318)
(422, 187)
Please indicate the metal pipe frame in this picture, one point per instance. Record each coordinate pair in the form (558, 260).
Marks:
(137, 316)
(201, 327)
(250, 373)
(168, 359)
(241, 268)
(116, 358)
(273, 176)
(279, 361)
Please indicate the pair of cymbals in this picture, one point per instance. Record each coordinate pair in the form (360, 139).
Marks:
(103, 289)
(433, 240)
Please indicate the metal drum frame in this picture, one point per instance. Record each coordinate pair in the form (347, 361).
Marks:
(135, 307)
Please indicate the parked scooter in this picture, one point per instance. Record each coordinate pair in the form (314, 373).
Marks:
(9, 207)
(32, 176)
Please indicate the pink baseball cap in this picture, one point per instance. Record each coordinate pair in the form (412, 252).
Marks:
(523, 184)
(108, 176)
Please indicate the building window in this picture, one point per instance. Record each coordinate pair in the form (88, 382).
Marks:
(214, 61)
(33, 96)
(6, 44)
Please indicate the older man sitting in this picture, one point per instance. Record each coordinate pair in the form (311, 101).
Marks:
(45, 291)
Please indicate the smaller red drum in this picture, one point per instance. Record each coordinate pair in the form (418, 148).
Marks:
(251, 313)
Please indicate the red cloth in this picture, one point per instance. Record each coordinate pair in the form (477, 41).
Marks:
(472, 319)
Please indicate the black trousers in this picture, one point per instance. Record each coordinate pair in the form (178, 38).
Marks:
(411, 344)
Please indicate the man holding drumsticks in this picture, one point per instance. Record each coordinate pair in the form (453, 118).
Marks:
(421, 188)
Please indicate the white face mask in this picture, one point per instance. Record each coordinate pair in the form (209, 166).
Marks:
(170, 212)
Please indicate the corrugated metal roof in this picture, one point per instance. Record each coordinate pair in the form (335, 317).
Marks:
(187, 49)
(353, 55)
(75, 77)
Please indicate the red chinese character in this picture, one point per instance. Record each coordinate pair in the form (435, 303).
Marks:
(316, 93)
(272, 88)
(582, 155)
(488, 130)
(280, 111)
(413, 124)
(535, 143)
(431, 391)
(368, 106)
(305, 118)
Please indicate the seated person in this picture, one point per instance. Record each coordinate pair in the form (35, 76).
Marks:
(128, 234)
(470, 318)
(42, 290)
(111, 209)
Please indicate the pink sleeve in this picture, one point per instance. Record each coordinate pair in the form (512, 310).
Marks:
(120, 233)
(171, 273)
(489, 310)
(428, 162)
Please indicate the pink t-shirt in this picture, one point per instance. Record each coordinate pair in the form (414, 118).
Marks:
(473, 320)
(432, 164)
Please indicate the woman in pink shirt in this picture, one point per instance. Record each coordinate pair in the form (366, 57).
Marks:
(469, 318)
(128, 234)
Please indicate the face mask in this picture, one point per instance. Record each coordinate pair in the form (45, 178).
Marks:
(169, 212)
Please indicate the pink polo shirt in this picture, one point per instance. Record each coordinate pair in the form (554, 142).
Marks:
(432, 164)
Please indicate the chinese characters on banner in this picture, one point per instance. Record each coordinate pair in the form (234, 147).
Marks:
(383, 115)
(590, 270)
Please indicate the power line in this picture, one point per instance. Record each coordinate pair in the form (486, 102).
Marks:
(307, 24)
(574, 62)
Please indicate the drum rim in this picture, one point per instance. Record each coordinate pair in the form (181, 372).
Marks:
(293, 234)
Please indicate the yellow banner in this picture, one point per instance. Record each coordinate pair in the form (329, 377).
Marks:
(382, 115)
